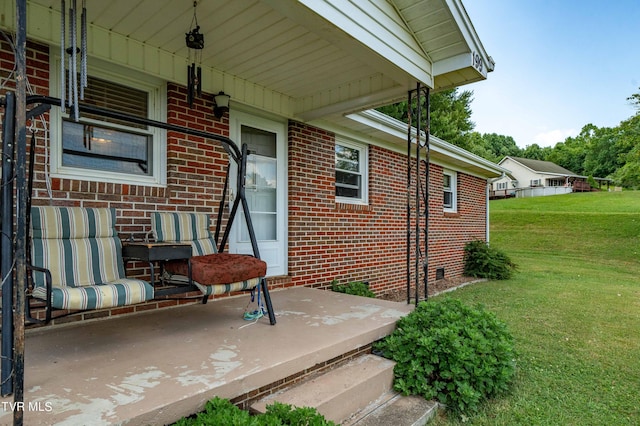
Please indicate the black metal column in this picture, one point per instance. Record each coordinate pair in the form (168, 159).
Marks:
(6, 243)
(418, 133)
(21, 206)
(409, 174)
(427, 133)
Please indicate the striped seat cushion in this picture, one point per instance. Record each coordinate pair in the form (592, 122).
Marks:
(193, 228)
(121, 292)
(185, 228)
(81, 248)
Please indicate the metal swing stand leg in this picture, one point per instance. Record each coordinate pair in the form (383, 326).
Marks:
(252, 235)
(241, 200)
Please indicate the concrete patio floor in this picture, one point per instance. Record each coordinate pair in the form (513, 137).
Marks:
(156, 367)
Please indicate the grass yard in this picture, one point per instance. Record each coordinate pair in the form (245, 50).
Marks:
(573, 308)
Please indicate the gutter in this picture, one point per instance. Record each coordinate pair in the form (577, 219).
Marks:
(398, 129)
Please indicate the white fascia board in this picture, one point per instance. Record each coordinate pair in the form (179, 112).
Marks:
(456, 63)
(398, 129)
(374, 25)
(471, 37)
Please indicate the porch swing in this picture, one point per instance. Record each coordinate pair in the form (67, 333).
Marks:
(209, 269)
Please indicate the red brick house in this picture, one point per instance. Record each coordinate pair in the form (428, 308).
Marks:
(328, 175)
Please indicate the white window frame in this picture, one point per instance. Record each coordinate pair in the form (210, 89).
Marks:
(157, 91)
(364, 172)
(453, 189)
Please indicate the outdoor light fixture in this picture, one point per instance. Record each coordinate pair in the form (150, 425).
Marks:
(220, 104)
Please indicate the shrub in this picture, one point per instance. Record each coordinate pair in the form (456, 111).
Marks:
(220, 411)
(285, 414)
(356, 288)
(451, 352)
(484, 261)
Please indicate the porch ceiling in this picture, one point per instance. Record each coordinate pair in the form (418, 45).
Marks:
(305, 59)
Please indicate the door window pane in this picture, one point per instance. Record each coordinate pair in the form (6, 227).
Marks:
(261, 184)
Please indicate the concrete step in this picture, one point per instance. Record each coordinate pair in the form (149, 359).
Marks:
(341, 392)
(394, 409)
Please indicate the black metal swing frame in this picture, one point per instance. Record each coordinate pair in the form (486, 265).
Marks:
(11, 258)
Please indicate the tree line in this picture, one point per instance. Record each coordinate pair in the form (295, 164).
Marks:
(604, 152)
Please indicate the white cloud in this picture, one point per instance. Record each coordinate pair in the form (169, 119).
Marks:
(552, 137)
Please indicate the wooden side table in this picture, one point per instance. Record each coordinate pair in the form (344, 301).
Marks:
(155, 252)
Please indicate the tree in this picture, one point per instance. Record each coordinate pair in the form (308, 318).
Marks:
(603, 153)
(628, 175)
(569, 154)
(500, 146)
(536, 152)
(635, 100)
(450, 115)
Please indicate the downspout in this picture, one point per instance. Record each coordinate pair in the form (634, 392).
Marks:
(486, 221)
(487, 224)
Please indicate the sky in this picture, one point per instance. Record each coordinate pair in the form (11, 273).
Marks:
(560, 64)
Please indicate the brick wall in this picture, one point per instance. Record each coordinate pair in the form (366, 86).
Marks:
(449, 232)
(327, 240)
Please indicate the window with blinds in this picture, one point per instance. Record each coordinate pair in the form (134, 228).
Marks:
(117, 97)
(106, 144)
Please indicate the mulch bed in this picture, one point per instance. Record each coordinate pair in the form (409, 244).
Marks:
(435, 288)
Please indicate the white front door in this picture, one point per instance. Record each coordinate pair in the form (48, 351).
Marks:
(265, 189)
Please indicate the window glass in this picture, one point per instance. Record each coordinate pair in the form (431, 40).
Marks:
(351, 171)
(102, 148)
(90, 144)
(98, 148)
(449, 186)
(261, 183)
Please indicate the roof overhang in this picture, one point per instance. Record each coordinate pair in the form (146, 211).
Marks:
(300, 59)
(382, 129)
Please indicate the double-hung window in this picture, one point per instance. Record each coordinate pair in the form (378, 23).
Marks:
(450, 190)
(351, 172)
(98, 148)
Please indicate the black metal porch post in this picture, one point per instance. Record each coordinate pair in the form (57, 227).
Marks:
(418, 187)
(21, 205)
(427, 131)
(421, 195)
(409, 116)
(6, 243)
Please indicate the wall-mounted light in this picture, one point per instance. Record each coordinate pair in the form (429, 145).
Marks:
(220, 104)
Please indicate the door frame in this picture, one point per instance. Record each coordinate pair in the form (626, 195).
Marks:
(238, 118)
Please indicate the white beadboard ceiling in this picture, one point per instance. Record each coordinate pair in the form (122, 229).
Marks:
(305, 59)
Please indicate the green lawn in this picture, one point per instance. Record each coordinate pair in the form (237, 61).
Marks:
(573, 308)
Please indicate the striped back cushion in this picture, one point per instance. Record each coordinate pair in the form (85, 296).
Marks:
(79, 246)
(193, 228)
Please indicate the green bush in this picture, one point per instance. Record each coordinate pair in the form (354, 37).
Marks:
(220, 411)
(356, 288)
(285, 414)
(484, 261)
(451, 352)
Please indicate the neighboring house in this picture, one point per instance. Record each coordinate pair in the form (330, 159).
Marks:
(328, 175)
(529, 178)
